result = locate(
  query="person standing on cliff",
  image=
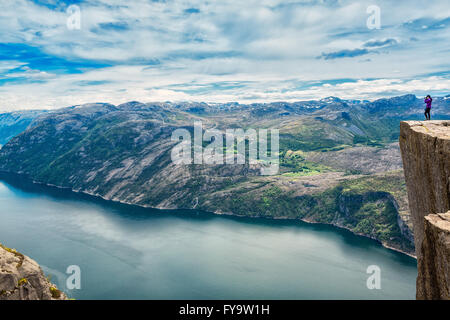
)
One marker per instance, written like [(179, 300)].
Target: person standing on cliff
[(428, 101)]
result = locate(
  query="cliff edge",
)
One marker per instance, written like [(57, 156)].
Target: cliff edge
[(21, 278), (425, 148)]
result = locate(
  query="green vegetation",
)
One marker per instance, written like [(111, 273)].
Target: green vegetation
[(305, 143), (392, 183), (17, 254), (364, 140), (125, 154), (293, 164), (365, 205), (332, 135), (56, 294)]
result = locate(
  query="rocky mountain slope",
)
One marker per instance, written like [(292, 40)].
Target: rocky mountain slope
[(122, 153), (13, 123), (21, 278)]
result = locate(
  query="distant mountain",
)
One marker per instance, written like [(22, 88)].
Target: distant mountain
[(339, 159), (13, 123), (401, 107)]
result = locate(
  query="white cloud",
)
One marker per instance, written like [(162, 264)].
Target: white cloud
[(264, 45)]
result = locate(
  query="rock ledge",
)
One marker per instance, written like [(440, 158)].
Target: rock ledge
[(21, 278)]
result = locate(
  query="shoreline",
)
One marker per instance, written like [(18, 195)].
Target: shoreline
[(217, 212), (385, 245)]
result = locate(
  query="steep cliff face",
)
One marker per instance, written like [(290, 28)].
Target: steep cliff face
[(425, 148), (436, 257), (21, 278)]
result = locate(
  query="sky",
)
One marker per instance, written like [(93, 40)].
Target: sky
[(60, 53)]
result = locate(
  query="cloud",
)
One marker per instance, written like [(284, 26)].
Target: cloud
[(344, 54), (426, 24), (351, 53), (224, 50), (111, 26), (191, 10), (380, 43)]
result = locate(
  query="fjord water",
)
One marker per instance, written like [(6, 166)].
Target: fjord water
[(126, 252)]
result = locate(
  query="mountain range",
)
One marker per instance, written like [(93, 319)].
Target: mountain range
[(339, 159)]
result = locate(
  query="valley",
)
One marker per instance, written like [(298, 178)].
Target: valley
[(339, 160)]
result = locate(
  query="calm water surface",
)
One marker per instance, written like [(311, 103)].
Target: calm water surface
[(126, 252)]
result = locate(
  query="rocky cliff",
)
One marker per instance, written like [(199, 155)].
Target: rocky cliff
[(436, 257), (21, 278), (425, 148)]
